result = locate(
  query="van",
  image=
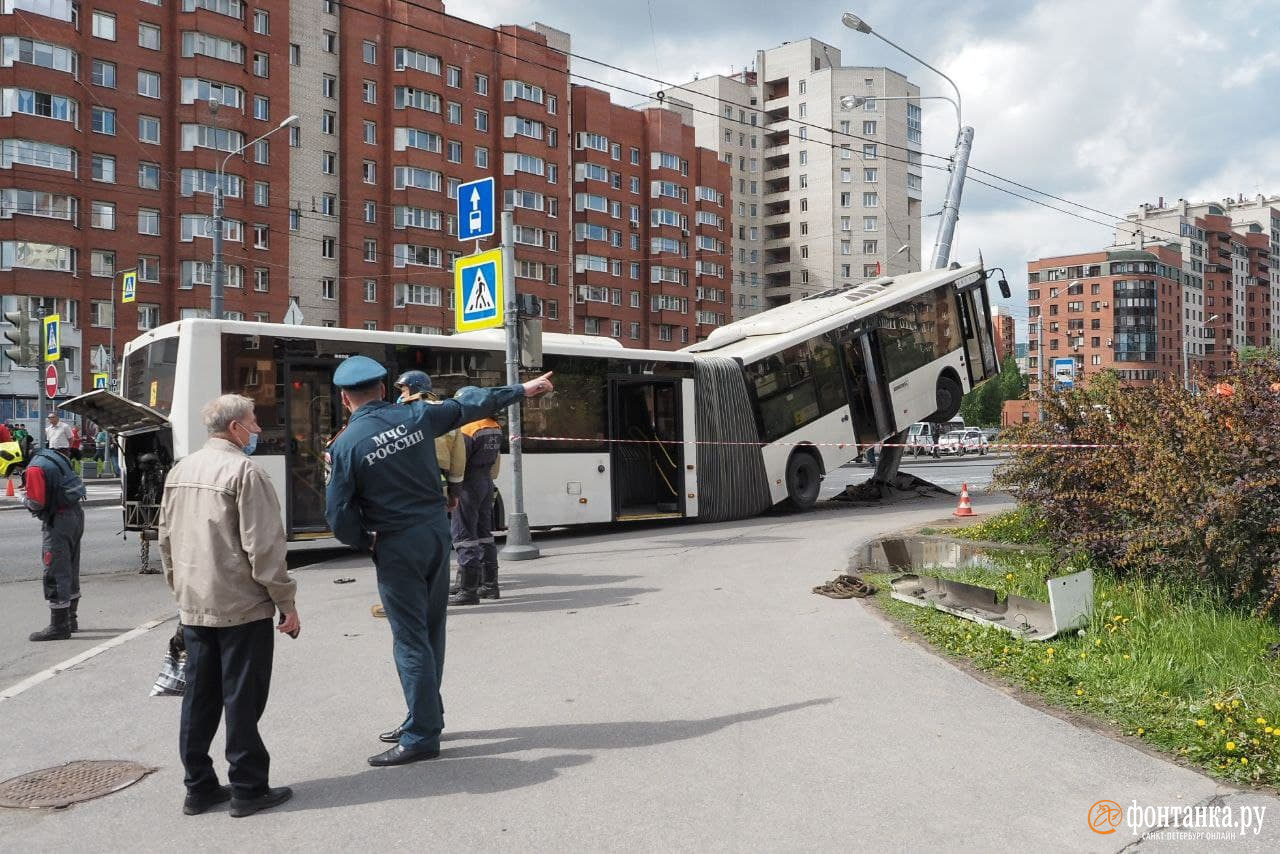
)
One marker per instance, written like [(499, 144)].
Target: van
[(923, 436)]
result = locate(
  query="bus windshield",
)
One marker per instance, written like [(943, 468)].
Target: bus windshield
[(149, 374)]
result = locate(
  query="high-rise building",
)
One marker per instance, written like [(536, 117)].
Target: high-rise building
[(1003, 326), (825, 168), (115, 130), (651, 224), (1231, 254)]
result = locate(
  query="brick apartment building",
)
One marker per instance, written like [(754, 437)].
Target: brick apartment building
[(114, 125), (1119, 309), (1004, 328), (651, 225)]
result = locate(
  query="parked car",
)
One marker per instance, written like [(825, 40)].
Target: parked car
[(961, 442)]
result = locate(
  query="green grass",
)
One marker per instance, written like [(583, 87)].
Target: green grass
[(1177, 668)]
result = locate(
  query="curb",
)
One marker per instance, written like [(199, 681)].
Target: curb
[(92, 502)]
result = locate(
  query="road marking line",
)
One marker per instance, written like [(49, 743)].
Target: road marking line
[(46, 675)]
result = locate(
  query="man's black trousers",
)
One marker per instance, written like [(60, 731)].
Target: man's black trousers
[(228, 669)]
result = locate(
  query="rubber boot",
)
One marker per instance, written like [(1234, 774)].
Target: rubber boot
[(71, 616), (59, 627), (468, 591), (489, 582)]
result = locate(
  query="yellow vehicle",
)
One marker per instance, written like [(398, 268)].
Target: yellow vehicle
[(12, 463)]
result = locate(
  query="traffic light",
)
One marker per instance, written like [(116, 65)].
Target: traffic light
[(18, 336), (529, 305)]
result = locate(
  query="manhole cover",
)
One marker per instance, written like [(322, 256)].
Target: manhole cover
[(68, 784)]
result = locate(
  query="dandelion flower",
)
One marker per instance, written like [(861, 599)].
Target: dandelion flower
[(1235, 704), (1231, 745), (1141, 731), (1254, 742), (1009, 576), (1200, 722), (1244, 760), (1079, 692), (1049, 651), (1097, 641), (1262, 721), (1269, 730), (1230, 719), (1218, 706), (1126, 655), (1084, 655)]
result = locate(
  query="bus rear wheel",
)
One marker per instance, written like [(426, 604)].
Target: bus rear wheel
[(804, 479)]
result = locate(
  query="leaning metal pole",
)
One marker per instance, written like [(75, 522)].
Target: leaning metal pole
[(519, 544), (890, 458)]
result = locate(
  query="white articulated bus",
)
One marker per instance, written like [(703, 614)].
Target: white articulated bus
[(749, 418)]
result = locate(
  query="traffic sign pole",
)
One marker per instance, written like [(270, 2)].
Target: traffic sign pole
[(39, 429), (519, 545)]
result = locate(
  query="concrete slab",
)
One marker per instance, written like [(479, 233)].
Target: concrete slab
[(675, 688)]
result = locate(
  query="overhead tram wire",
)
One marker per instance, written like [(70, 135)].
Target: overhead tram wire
[(797, 122)]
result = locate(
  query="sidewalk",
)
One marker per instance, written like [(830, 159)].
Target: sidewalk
[(673, 688)]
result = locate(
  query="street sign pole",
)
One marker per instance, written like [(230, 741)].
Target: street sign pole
[(519, 545), (39, 428)]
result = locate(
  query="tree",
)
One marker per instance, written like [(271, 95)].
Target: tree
[(983, 405)]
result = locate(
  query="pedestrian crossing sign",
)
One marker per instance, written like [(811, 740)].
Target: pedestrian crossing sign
[(51, 326), (478, 298)]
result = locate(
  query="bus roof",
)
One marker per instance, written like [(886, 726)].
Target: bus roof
[(776, 328), (490, 339)]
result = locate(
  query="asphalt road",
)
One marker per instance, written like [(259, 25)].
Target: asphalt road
[(946, 472), (102, 550)]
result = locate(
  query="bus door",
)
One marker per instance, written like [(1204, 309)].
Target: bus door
[(646, 428), (313, 414), (868, 396), (979, 345)]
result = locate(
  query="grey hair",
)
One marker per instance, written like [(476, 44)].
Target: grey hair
[(221, 411)]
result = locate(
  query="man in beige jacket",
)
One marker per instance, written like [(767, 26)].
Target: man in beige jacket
[(222, 544)]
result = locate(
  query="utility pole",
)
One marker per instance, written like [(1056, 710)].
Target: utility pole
[(519, 544), (951, 205), (40, 368)]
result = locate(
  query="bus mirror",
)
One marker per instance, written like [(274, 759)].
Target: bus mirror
[(1004, 288)]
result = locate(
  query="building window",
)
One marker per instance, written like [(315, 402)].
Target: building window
[(482, 84), (371, 250), (261, 279), (262, 151), (370, 290), (369, 91), (870, 247), (261, 65), (329, 42), (870, 200), (328, 247), (261, 108), (455, 113), (369, 172), (261, 194), (329, 86), (455, 151), (482, 157), (482, 120), (370, 53), (328, 288), (148, 84), (371, 133), (104, 121), (148, 221), (370, 211), (103, 74), (452, 76), (102, 263), (328, 122), (102, 215), (148, 316), (328, 163), (149, 129), (104, 169), (104, 26), (148, 268), (260, 237), (149, 176), (295, 54), (261, 22), (149, 36)]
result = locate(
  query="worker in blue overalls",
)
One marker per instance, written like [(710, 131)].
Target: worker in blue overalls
[(384, 495)]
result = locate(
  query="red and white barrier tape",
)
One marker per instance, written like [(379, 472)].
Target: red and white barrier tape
[(995, 446)]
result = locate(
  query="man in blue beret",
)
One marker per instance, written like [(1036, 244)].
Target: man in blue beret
[(384, 495)]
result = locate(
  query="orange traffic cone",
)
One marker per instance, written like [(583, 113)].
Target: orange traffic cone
[(9, 493), (965, 508)]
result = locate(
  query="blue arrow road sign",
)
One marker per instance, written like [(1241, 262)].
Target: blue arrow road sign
[(476, 209), (478, 292)]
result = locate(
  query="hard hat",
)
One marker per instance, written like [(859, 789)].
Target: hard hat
[(414, 382)]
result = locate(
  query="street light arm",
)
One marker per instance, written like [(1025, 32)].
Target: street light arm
[(289, 122), (928, 66), (855, 101)]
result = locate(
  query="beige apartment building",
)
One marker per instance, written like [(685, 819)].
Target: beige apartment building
[(823, 195)]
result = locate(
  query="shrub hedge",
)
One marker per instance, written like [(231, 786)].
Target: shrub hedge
[(1185, 487)]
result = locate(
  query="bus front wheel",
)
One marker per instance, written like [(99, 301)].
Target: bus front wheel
[(804, 479), (948, 395)]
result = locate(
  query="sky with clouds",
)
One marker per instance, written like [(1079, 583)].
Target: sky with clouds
[(1109, 103)]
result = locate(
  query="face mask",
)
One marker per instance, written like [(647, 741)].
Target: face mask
[(252, 444)]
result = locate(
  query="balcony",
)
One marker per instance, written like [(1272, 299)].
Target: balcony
[(778, 231), (782, 150), (777, 268), (780, 173), (776, 219)]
